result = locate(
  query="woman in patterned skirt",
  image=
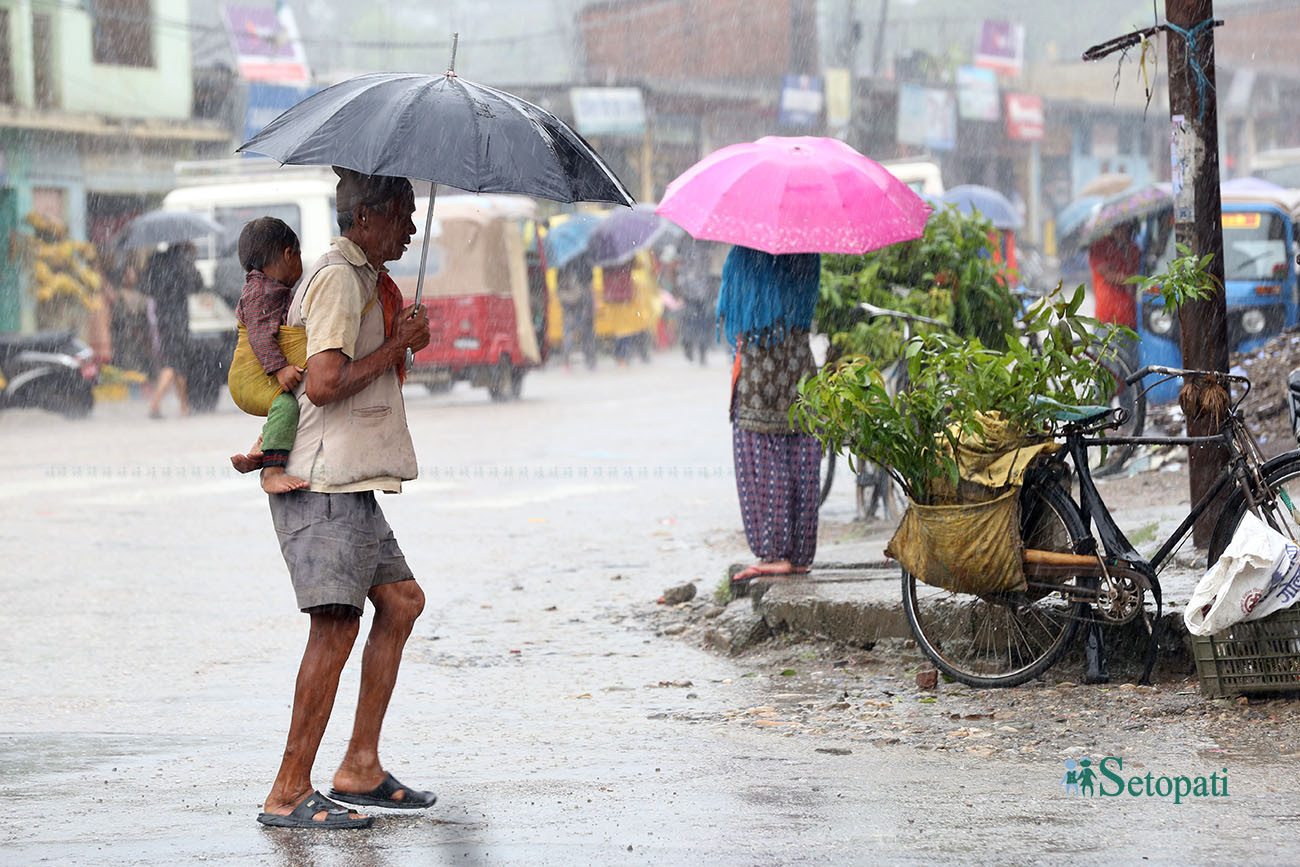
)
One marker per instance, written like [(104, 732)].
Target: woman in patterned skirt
[(766, 307)]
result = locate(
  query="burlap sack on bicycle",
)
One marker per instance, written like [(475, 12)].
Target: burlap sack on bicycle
[(965, 548)]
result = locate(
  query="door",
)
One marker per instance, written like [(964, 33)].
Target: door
[(10, 246)]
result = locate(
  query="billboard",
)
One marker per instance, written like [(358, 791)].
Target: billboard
[(267, 46)]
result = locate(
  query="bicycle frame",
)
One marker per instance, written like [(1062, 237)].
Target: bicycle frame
[(1118, 557)]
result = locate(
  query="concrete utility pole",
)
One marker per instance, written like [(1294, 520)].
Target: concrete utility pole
[(1198, 221)]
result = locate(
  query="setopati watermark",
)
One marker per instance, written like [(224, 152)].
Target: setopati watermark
[(1106, 779)]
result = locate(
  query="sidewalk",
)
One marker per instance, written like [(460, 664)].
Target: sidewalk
[(862, 604)]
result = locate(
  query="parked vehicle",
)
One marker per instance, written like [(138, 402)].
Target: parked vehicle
[(52, 370), (232, 192), (488, 329), (1260, 283)]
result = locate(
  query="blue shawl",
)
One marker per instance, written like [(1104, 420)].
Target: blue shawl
[(763, 296)]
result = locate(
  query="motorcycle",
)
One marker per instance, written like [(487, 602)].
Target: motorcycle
[(52, 370)]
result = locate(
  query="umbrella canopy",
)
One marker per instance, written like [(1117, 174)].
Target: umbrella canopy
[(1106, 184), (1130, 206), (167, 227), (971, 198), (1077, 214), (444, 129), (794, 195), (624, 233), (568, 240)]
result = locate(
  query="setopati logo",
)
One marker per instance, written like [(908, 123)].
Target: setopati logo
[(1106, 779)]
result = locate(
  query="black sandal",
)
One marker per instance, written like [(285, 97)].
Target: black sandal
[(303, 816)]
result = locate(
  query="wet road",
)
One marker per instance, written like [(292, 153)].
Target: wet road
[(148, 645)]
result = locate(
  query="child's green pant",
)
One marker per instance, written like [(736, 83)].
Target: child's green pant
[(278, 432)]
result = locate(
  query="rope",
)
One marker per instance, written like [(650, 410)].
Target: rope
[(1199, 74)]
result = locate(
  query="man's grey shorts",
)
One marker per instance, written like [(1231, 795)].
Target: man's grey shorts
[(337, 547)]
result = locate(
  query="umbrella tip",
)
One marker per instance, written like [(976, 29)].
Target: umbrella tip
[(451, 65)]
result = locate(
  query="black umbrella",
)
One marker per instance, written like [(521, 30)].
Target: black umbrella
[(443, 129), (167, 227)]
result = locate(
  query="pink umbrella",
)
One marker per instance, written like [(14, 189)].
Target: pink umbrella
[(794, 195)]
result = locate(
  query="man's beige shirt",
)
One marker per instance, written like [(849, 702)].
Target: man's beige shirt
[(332, 305)]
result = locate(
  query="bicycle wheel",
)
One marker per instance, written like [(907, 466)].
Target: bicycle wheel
[(1132, 399), (878, 495), (1284, 481), (1005, 639)]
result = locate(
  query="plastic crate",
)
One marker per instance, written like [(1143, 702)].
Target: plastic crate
[(1255, 656)]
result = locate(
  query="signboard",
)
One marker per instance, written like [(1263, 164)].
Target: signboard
[(839, 97), (977, 93), (1242, 220), (801, 100), (608, 110), (266, 102), (927, 117), (266, 43), (1001, 47), (1025, 118)]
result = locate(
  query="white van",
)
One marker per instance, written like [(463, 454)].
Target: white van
[(923, 176), (232, 192)]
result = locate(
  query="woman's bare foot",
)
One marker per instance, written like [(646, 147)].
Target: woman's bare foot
[(276, 481), (767, 567)]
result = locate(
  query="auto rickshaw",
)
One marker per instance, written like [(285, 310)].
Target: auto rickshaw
[(1260, 282), (637, 318), (487, 329)]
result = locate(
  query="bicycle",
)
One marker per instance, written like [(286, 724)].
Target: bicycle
[(1075, 578), (878, 495)]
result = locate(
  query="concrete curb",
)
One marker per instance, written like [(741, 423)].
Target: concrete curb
[(865, 607)]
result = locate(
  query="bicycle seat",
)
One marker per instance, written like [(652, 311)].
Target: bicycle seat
[(1079, 414)]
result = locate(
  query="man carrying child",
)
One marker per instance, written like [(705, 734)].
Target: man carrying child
[(351, 441)]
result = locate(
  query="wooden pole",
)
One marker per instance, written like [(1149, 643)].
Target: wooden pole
[(1198, 221)]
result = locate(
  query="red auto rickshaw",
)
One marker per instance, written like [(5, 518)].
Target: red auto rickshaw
[(487, 329)]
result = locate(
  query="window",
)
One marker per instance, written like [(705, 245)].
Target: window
[(6, 71), (43, 62), (122, 32)]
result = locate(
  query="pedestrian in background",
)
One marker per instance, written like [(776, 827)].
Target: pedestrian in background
[(169, 278), (766, 306), (697, 289), (578, 306)]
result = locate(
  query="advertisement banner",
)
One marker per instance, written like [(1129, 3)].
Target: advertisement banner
[(927, 116), (977, 93), (1025, 118), (1001, 47)]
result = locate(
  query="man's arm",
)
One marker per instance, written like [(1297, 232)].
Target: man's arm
[(332, 376)]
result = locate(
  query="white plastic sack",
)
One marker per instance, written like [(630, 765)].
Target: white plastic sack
[(1259, 573)]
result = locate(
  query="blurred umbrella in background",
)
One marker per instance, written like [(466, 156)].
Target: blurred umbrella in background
[(167, 227), (568, 240), (1127, 207), (971, 198), (624, 233)]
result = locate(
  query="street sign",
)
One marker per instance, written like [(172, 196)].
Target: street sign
[(801, 100), (608, 110)]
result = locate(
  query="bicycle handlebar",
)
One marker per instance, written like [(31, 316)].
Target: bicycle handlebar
[(1159, 370), (873, 310)]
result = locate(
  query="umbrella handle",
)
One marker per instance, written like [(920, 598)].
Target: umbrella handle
[(424, 258)]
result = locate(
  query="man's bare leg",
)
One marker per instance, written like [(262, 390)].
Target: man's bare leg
[(396, 608), (328, 646)]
